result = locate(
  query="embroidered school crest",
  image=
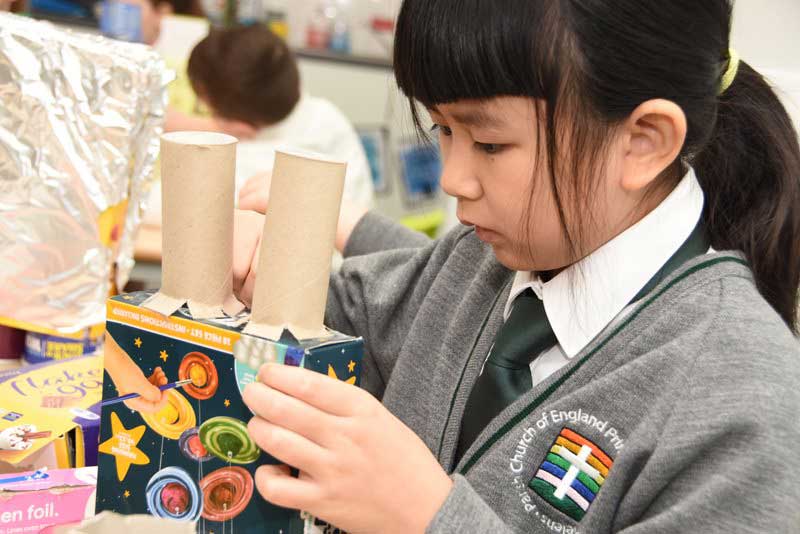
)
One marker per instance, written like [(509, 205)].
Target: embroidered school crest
[(571, 474)]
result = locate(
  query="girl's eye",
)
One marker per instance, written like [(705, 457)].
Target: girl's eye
[(444, 130), (489, 148)]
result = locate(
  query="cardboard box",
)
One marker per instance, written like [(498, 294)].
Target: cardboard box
[(194, 460), (32, 501), (50, 414)]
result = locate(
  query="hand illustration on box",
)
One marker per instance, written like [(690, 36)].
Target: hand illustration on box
[(129, 378)]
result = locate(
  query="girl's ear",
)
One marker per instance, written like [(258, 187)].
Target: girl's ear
[(652, 138)]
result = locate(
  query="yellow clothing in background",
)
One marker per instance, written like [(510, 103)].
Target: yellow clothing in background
[(181, 95)]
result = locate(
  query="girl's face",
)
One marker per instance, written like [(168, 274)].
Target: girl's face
[(490, 150)]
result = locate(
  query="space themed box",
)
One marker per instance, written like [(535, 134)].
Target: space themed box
[(50, 414), (194, 460)]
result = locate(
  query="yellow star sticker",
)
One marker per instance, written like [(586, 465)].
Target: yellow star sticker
[(127, 494), (138, 342), (122, 446), (351, 366), (332, 374), (227, 403), (164, 355), (127, 297)]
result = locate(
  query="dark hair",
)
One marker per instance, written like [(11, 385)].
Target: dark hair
[(182, 7), (592, 63), (246, 73)]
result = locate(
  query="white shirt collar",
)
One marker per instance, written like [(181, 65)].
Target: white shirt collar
[(583, 299)]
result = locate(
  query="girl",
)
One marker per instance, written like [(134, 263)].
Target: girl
[(606, 345)]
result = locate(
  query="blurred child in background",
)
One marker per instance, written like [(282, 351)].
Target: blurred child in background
[(249, 75)]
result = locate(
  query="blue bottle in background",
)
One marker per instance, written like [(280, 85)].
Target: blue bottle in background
[(120, 20), (340, 34)]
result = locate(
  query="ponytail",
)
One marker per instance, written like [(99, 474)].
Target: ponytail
[(750, 174)]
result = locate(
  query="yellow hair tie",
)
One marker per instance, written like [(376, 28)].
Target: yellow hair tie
[(731, 72)]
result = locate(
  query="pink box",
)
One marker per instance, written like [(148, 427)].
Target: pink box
[(33, 501)]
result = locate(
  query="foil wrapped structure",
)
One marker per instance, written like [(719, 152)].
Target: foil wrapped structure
[(80, 120)]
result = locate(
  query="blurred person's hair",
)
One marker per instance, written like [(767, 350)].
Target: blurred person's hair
[(246, 73), (180, 7)]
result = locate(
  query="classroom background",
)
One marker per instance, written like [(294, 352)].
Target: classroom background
[(344, 55)]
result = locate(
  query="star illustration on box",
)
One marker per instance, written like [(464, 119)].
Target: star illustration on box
[(174, 435), (122, 445)]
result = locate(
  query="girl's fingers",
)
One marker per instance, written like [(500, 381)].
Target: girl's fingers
[(252, 184), (288, 412), (276, 485), (287, 446), (247, 227), (245, 293), (245, 199), (252, 202), (320, 391), (250, 189)]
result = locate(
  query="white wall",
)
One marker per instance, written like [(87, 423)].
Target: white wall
[(766, 33)]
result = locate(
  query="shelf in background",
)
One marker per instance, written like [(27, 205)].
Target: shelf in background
[(347, 59)]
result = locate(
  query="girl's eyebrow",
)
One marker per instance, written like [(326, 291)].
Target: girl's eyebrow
[(477, 118)]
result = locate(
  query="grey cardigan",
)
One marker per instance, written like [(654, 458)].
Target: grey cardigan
[(683, 418)]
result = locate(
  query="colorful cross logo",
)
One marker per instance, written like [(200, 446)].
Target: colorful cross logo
[(572, 474)]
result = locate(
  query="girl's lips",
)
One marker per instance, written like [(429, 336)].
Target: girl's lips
[(488, 236)]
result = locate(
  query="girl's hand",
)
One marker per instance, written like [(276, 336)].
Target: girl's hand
[(254, 195), (361, 469), (247, 229)]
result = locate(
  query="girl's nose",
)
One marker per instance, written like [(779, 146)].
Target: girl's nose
[(459, 178)]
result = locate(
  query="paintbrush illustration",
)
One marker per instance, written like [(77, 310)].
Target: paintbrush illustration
[(129, 396)]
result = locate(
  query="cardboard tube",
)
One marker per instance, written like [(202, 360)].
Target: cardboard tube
[(294, 266), (197, 187)]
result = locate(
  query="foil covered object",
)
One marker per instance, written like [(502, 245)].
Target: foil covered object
[(80, 120)]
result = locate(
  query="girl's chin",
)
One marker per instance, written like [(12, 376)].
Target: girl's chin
[(511, 258)]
